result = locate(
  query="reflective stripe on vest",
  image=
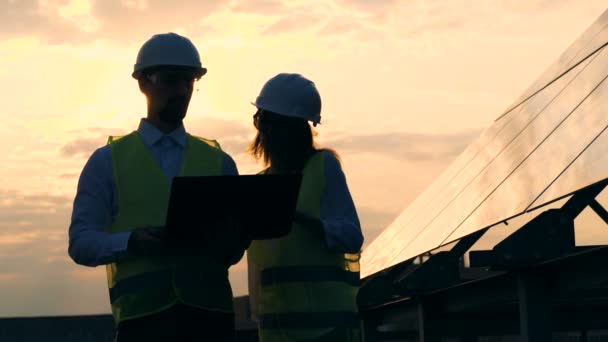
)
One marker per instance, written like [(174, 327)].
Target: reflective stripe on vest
[(303, 290), (304, 320), (140, 286), (160, 280), (287, 274)]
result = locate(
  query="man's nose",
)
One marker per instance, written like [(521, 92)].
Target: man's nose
[(183, 88)]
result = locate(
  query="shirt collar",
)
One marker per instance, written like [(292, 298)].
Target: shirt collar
[(151, 135)]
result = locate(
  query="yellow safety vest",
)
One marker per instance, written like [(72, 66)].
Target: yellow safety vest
[(141, 286), (305, 290)]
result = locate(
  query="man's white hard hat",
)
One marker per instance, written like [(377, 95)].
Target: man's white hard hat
[(168, 49)]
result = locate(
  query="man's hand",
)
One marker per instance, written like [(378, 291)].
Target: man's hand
[(148, 241)]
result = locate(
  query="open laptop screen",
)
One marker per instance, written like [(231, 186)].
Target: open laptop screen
[(263, 204)]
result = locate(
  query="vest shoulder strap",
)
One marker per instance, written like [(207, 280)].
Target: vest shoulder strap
[(114, 138), (210, 142)]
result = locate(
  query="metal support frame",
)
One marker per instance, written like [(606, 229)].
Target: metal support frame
[(599, 210), (534, 308), (548, 235), (428, 331), (409, 298), (582, 199), (439, 271), (495, 305)]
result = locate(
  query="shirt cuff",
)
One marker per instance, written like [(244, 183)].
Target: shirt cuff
[(119, 243), (340, 236)]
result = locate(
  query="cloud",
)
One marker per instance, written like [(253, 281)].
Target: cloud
[(368, 5), (339, 27), (533, 5), (69, 175), (26, 17), (259, 6), (32, 214), (105, 131), (84, 146), (407, 146), (17, 238), (119, 20), (138, 20), (133, 21), (299, 20), (437, 24), (233, 136), (34, 248), (81, 147), (374, 221)]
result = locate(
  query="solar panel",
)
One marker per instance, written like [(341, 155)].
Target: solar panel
[(589, 168), (386, 249), (547, 162), (474, 160), (500, 181), (592, 39), (511, 163), (458, 175)]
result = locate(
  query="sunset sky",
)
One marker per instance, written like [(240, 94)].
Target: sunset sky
[(406, 86)]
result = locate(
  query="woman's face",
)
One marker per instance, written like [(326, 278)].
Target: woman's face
[(281, 138), (274, 130), (264, 121)]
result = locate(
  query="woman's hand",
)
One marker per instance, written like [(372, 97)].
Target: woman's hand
[(229, 242), (309, 222)]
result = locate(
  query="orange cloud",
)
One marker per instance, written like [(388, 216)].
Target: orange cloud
[(18, 238)]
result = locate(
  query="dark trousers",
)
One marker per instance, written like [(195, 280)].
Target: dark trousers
[(178, 323)]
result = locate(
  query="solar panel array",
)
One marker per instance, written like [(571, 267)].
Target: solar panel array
[(550, 143)]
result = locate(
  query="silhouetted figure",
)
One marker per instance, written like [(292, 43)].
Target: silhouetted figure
[(157, 292), (303, 286)]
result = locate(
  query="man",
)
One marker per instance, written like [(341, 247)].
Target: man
[(156, 293)]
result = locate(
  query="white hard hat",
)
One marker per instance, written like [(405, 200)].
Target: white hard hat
[(291, 95), (168, 49)]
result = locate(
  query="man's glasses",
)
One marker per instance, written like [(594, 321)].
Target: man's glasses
[(173, 78)]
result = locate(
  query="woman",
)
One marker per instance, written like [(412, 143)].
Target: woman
[(303, 286)]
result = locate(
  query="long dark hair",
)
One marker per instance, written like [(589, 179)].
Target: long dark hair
[(283, 142)]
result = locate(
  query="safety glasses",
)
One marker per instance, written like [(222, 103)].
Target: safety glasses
[(173, 78)]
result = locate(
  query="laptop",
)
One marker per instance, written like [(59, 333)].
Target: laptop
[(264, 205)]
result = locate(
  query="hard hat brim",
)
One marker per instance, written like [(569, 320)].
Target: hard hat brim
[(200, 71), (314, 122)]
